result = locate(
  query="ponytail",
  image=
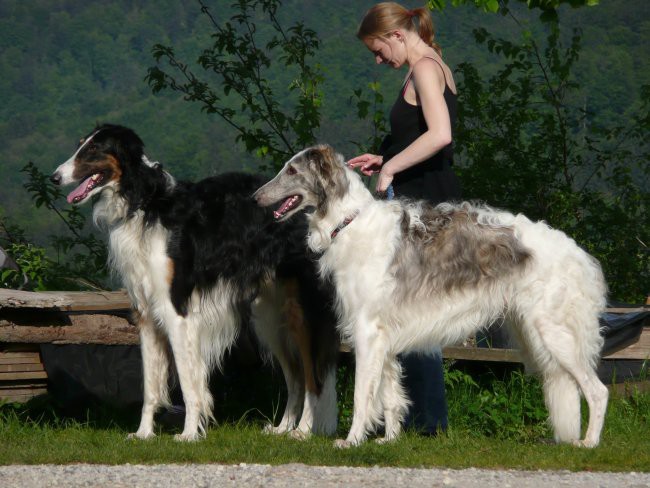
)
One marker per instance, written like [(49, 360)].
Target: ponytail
[(425, 27)]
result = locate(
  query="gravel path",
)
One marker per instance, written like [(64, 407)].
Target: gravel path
[(292, 475)]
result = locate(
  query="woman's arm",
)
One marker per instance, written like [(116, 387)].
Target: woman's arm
[(429, 84)]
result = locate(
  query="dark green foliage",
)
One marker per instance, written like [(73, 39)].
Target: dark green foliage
[(548, 7), (526, 143), (78, 71), (507, 405), (375, 111), (241, 58), (80, 257)]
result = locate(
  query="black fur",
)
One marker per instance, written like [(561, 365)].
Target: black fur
[(218, 232)]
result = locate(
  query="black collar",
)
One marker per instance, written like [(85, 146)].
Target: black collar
[(343, 224)]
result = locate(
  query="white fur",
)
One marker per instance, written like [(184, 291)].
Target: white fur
[(552, 306), (65, 170)]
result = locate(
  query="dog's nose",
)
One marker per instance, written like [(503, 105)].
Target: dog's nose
[(55, 178)]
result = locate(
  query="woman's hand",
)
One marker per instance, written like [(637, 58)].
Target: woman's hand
[(369, 163), (385, 179)]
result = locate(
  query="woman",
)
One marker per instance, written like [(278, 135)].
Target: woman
[(416, 158)]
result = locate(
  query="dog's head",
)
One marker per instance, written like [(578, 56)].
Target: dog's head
[(309, 179), (100, 161)]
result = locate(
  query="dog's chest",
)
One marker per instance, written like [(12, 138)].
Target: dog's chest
[(139, 256)]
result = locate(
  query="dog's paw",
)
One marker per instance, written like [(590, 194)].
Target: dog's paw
[(272, 430), (187, 437), (343, 444), (585, 443), (140, 435), (384, 440), (299, 435)]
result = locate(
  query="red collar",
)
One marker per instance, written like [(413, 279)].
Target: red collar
[(343, 224)]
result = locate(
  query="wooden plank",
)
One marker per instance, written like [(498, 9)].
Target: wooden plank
[(68, 301), (629, 388), (638, 350), (627, 309), (8, 368), (82, 329), (31, 375), (22, 386), (23, 391), (482, 354), (22, 398), (20, 358)]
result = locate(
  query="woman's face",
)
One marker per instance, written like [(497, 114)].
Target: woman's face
[(387, 50)]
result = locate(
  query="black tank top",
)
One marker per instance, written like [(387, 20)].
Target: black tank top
[(433, 178)]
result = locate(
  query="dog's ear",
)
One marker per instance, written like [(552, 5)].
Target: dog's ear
[(130, 148), (329, 166), (330, 178)]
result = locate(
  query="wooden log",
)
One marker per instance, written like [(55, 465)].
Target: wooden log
[(68, 301), (81, 329), (638, 350), (482, 354), (22, 389), (21, 395), (23, 375), (626, 309), (10, 368), (20, 358), (629, 388)]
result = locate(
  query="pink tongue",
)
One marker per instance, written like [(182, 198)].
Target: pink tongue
[(283, 208), (79, 191)]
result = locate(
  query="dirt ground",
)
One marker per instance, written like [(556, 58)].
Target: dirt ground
[(291, 475)]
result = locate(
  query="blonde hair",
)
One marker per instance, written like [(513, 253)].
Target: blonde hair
[(387, 17)]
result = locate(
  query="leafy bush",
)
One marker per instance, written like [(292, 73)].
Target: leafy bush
[(270, 125), (507, 406), (80, 261), (526, 143)]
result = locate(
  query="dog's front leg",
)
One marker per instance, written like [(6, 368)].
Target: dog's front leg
[(155, 369), (192, 375), (370, 353), (393, 398), (295, 393)]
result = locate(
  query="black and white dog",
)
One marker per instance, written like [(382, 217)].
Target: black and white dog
[(199, 261), (411, 276)]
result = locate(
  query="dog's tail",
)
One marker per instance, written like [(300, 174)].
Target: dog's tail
[(563, 403)]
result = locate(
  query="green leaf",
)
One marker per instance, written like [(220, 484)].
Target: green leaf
[(436, 4), (492, 6)]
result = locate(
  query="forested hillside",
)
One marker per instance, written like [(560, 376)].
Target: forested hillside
[(67, 65)]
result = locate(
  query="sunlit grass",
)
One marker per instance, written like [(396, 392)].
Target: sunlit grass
[(494, 424)]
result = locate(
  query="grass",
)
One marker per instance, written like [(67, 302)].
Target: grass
[(496, 418)]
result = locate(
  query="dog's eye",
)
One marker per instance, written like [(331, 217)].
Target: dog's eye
[(291, 170)]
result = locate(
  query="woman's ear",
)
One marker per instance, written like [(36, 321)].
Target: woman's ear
[(398, 35)]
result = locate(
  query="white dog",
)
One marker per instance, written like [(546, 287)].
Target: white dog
[(410, 276)]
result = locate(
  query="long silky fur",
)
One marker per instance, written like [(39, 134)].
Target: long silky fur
[(200, 261), (411, 276)]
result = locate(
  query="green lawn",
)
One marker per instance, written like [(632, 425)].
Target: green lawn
[(494, 424)]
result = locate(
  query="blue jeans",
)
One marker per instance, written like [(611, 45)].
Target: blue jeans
[(425, 386)]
